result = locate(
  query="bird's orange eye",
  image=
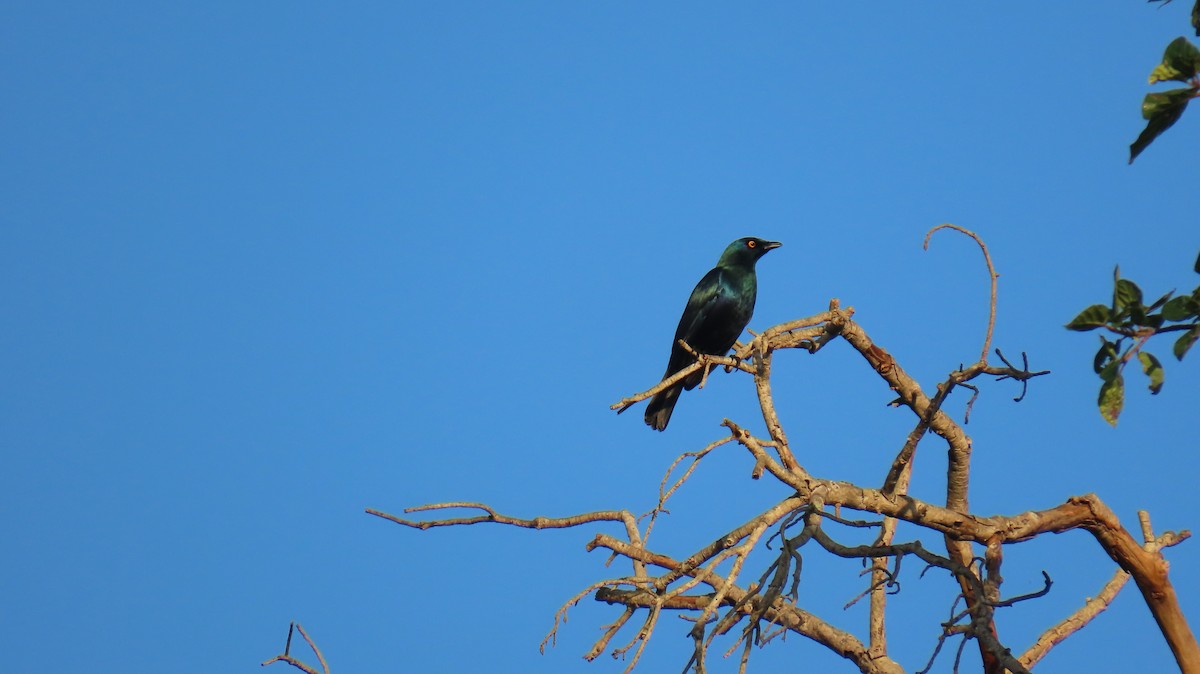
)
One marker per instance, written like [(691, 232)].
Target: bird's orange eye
[(751, 243)]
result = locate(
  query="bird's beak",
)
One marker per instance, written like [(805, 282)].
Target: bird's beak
[(771, 245)]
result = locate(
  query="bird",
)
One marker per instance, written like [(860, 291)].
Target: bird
[(717, 311)]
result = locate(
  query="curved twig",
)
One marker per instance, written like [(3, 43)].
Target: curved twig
[(992, 275)]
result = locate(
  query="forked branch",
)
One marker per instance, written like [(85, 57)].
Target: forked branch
[(286, 656), (707, 585)]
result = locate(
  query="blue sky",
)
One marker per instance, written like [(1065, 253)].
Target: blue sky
[(266, 265)]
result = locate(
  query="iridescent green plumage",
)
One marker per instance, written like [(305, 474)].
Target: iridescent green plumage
[(718, 310)]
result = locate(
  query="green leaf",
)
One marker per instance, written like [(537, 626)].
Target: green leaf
[(1180, 309), (1107, 352), (1153, 370), (1112, 399), (1112, 370), (1154, 321), (1186, 341), (1180, 62), (1197, 267), (1162, 110), (1137, 315), (1127, 296), (1155, 104), (1160, 301), (1091, 318)]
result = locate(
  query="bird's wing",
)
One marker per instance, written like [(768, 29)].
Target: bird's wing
[(703, 298)]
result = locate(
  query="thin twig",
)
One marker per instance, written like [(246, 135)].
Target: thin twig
[(560, 616), (664, 493), (285, 657), (992, 277)]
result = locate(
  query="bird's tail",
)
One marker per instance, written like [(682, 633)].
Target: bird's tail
[(658, 412)]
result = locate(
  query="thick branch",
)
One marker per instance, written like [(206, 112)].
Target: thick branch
[(1149, 571), (1096, 605)]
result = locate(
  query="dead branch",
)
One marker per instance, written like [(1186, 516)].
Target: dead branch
[(792, 617), (1094, 606), (286, 655), (703, 360), (661, 582), (992, 277), (622, 516), (665, 493)]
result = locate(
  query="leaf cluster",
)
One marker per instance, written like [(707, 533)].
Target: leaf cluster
[(1180, 63), (1135, 323)]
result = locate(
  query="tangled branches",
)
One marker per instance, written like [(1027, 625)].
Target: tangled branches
[(719, 592)]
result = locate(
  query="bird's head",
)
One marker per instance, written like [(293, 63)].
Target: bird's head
[(746, 251)]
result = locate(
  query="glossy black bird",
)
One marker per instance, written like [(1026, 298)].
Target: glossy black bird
[(716, 313)]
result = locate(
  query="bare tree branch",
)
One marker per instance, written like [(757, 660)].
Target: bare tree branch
[(287, 657), (992, 277), (766, 608), (1094, 606)]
